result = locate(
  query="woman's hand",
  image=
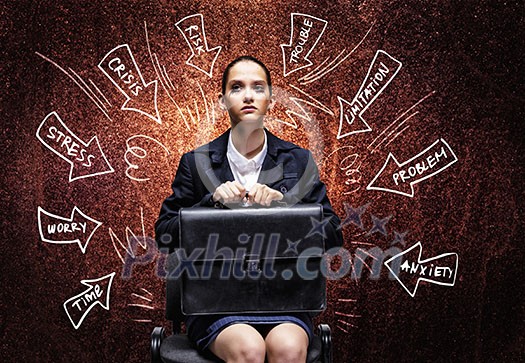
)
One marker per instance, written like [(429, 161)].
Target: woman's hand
[(229, 192), (263, 195)]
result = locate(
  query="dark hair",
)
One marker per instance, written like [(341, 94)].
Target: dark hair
[(241, 59)]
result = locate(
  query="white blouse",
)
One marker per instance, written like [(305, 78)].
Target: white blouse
[(245, 171)]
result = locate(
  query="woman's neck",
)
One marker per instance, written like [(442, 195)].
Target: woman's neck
[(248, 142)]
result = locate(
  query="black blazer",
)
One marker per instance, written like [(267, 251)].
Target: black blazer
[(287, 168)]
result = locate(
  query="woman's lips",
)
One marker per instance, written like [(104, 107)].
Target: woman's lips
[(248, 109)]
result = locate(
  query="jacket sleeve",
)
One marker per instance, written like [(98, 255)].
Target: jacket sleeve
[(310, 189), (183, 196)]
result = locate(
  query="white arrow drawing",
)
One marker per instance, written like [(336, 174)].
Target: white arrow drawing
[(78, 307), (439, 270), (78, 228)]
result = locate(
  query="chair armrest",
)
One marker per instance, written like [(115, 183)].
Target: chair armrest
[(325, 334), (157, 336)]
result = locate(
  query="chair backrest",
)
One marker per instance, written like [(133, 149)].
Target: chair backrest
[(173, 292), (247, 260)]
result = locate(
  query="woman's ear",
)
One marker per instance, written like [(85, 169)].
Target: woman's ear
[(222, 102), (272, 103)]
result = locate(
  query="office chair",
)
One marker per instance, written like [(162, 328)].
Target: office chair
[(194, 224)]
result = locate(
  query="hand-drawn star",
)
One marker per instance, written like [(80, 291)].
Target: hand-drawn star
[(379, 225), (318, 227), (353, 215), (292, 246), (399, 238)]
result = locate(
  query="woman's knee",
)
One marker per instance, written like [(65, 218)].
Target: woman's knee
[(239, 343), (251, 352), (287, 344)]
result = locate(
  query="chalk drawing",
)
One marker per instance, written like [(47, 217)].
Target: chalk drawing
[(120, 67), (400, 178), (82, 85), (142, 302), (395, 126), (86, 159), (78, 228), (138, 152), (132, 240), (97, 293), (202, 57), (381, 72), (169, 87), (439, 270), (158, 71), (101, 94), (302, 113), (350, 164), (306, 31), (320, 71), (342, 323)]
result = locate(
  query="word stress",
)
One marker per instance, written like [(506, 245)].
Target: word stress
[(86, 159)]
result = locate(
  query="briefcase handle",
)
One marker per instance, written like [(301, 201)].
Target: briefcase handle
[(273, 204)]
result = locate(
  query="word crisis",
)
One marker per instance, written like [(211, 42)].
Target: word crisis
[(125, 75)]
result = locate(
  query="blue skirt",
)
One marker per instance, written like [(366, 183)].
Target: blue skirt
[(203, 330)]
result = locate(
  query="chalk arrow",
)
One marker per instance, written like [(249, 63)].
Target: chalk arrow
[(120, 67), (382, 71), (439, 270), (202, 57), (305, 34), (78, 228), (86, 159), (97, 293), (400, 178)]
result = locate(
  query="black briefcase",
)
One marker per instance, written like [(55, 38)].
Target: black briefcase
[(251, 260)]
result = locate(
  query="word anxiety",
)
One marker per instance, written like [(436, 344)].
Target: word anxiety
[(427, 271)]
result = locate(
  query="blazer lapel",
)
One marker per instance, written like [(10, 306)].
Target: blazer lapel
[(271, 172), (219, 169), (223, 171)]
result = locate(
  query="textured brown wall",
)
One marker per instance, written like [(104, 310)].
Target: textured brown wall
[(461, 80)]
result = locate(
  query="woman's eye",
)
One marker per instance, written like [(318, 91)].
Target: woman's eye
[(259, 89), (236, 87)]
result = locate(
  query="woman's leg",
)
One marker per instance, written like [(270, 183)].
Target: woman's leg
[(287, 343), (239, 343)]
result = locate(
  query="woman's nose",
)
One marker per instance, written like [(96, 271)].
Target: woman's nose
[(248, 95)]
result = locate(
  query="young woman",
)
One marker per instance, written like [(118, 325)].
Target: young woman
[(247, 164)]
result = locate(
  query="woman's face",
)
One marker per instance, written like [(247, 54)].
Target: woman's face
[(247, 97)]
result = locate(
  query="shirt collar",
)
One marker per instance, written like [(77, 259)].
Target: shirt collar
[(241, 162)]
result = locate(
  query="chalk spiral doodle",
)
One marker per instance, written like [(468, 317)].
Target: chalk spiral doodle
[(140, 153)]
